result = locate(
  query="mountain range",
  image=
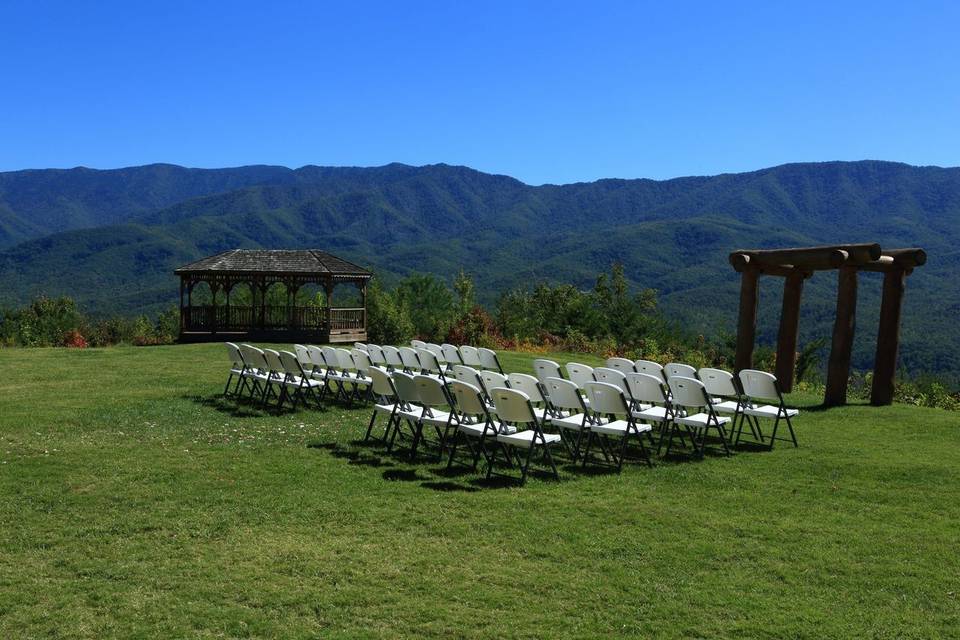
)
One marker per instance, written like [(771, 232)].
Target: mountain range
[(112, 238)]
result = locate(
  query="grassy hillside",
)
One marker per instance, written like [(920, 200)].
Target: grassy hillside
[(672, 235), (138, 504)]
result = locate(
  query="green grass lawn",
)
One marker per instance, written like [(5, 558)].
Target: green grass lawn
[(135, 503)]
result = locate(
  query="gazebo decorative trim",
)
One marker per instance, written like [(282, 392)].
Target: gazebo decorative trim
[(796, 265), (259, 269)]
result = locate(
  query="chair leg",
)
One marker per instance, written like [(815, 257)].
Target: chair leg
[(226, 389), (793, 435)]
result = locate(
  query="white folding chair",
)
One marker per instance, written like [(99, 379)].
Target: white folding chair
[(418, 344), (579, 374), (544, 369), (429, 365), (392, 355), (489, 359), (275, 376), (451, 354), (727, 399), (360, 345), (622, 365), (650, 393), (515, 409), (377, 358), (650, 367), (759, 387), (237, 368), (675, 369), (570, 414), (385, 401), (256, 374), (304, 357), (470, 356), (473, 422), (610, 402), (298, 385), (534, 390), (409, 411), (437, 412), (689, 396), (410, 359)]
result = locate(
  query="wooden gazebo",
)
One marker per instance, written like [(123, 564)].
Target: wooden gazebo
[(257, 319)]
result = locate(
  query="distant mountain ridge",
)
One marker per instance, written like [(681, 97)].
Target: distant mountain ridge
[(112, 238)]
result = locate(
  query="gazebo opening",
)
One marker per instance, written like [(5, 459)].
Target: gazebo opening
[(282, 295)]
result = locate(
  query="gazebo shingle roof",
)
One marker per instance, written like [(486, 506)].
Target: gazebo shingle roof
[(299, 261)]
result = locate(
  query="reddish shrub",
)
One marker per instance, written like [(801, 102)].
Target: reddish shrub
[(75, 340)]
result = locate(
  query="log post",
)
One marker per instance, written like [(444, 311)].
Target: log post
[(789, 328), (888, 337), (838, 369), (747, 322)]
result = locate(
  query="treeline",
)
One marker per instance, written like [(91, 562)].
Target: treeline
[(57, 322)]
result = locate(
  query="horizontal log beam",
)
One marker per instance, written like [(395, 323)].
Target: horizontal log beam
[(827, 257), (741, 262), (907, 258)]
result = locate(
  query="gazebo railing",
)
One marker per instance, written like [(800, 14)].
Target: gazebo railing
[(241, 318)]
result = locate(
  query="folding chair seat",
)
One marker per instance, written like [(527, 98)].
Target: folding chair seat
[(451, 354), (695, 412), (675, 369), (650, 392), (470, 356), (514, 408), (570, 414), (298, 385), (759, 387), (474, 422), (429, 365), (622, 365), (385, 401), (544, 369), (489, 359), (609, 401), (392, 356), (410, 359), (650, 367), (237, 368)]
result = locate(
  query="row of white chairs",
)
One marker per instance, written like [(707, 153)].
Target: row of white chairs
[(421, 354)]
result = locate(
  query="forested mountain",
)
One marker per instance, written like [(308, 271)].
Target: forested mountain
[(671, 235)]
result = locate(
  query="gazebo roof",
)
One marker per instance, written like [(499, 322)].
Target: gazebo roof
[(275, 261)]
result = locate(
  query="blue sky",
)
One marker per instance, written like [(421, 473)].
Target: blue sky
[(546, 92)]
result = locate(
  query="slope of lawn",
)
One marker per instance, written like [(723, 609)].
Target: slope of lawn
[(135, 503)]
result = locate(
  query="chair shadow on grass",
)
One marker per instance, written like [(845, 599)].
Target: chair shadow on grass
[(352, 456), (225, 405)]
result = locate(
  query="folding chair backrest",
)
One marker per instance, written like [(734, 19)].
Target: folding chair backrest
[(528, 384), (361, 360), (489, 360), (406, 388), (674, 369), (470, 356), (564, 395), (291, 364), (302, 354), (432, 392), (544, 369), (331, 357), (492, 380), (381, 383), (651, 367), (621, 364), (647, 388), (376, 355), (436, 350), (688, 392), (428, 361), (579, 374), (345, 358), (451, 354), (233, 352), (463, 373), (360, 345), (512, 406), (392, 356), (469, 398), (612, 376), (316, 357), (418, 344), (718, 382), (409, 358), (606, 399), (273, 361), (255, 357), (760, 385)]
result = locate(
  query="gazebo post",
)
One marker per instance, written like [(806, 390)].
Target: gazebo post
[(838, 368), (328, 293), (888, 337), (183, 323), (747, 322), (789, 328)]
